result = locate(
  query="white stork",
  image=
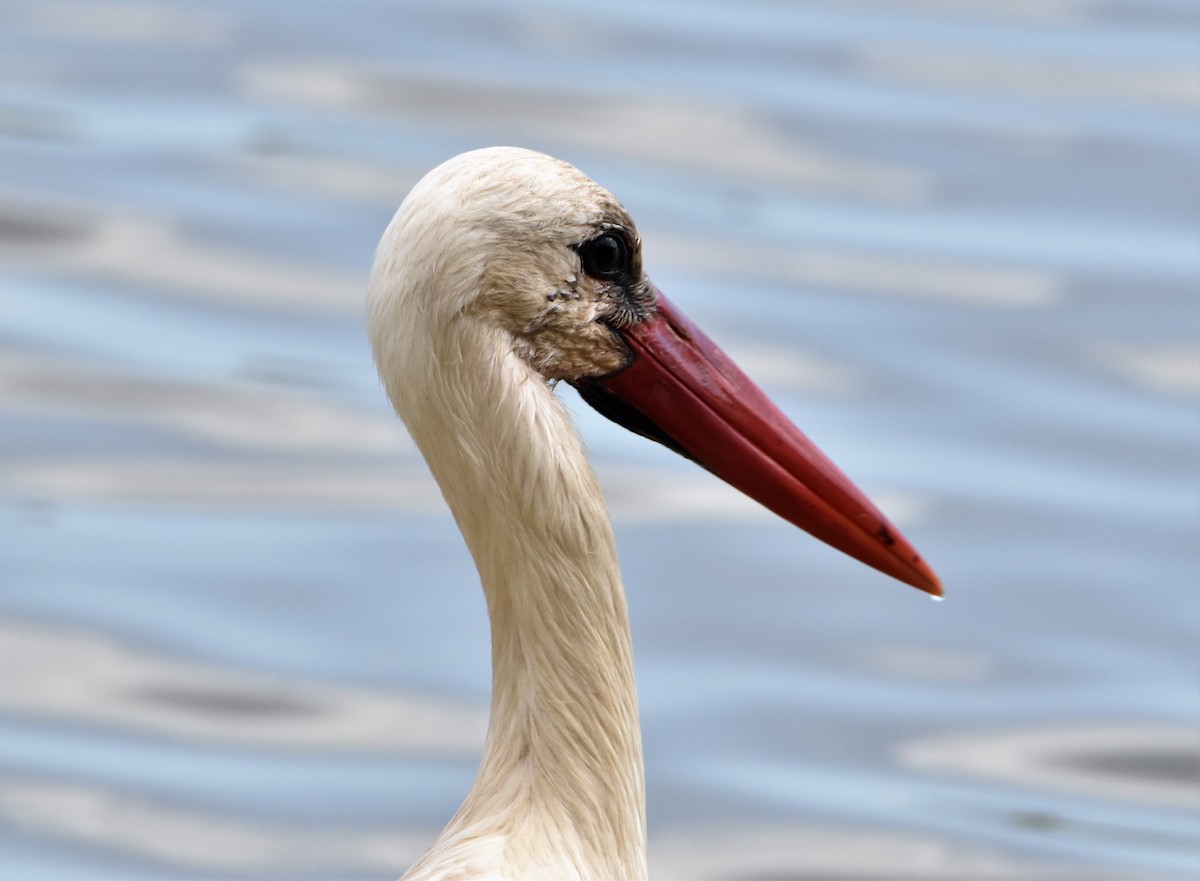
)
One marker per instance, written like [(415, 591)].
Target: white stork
[(503, 272)]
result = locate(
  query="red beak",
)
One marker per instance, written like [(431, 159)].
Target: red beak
[(683, 391)]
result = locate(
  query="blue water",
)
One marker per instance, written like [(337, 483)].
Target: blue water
[(960, 243)]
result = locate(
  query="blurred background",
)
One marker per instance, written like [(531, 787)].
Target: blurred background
[(958, 242)]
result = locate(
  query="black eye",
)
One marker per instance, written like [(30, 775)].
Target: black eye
[(605, 256)]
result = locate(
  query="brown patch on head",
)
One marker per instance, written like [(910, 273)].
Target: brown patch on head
[(525, 258), (569, 339), (553, 313), (572, 334)]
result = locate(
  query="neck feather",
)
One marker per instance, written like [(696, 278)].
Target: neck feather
[(561, 781)]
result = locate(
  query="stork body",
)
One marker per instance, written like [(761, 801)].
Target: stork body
[(503, 272)]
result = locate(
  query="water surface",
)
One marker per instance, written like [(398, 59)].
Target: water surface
[(958, 243)]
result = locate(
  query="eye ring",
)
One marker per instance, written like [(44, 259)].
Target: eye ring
[(605, 257)]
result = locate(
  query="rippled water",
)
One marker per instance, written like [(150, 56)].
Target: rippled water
[(958, 242)]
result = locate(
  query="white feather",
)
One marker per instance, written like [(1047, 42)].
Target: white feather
[(465, 265)]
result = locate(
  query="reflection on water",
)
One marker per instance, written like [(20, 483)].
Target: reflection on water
[(1153, 764), (239, 635), (203, 843), (140, 251), (212, 844), (79, 677)]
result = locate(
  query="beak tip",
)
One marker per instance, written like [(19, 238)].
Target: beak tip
[(924, 579)]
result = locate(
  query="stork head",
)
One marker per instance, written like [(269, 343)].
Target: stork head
[(529, 254), (518, 244)]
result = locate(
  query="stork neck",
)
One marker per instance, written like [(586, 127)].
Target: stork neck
[(563, 759)]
